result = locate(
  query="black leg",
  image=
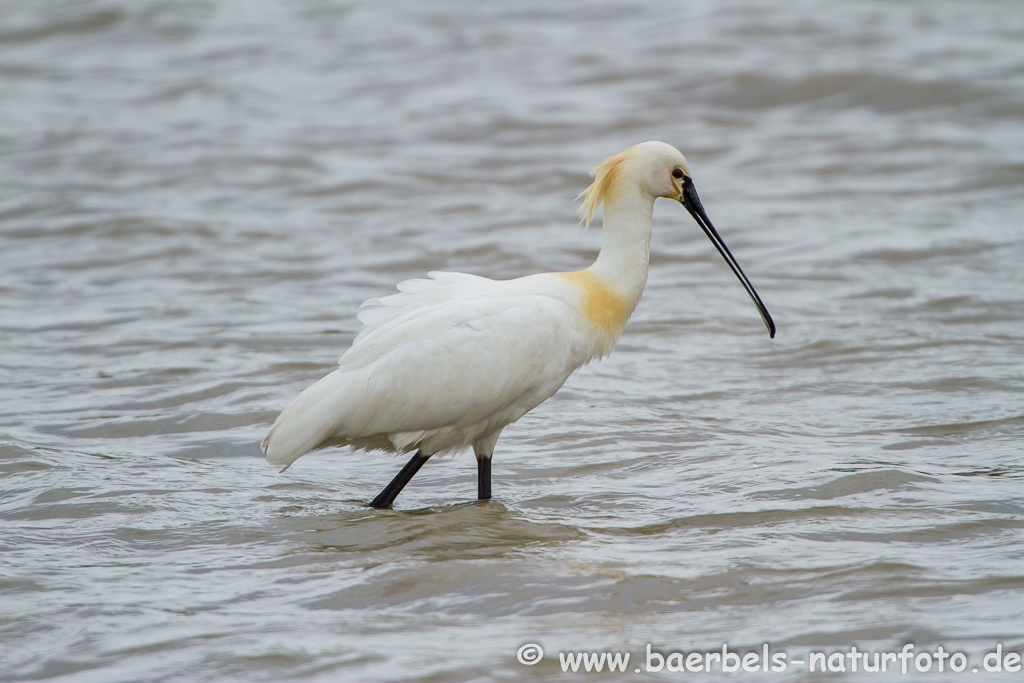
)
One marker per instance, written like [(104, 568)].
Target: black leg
[(483, 478), (386, 497)]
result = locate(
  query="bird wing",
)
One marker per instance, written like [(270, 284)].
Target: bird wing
[(473, 358), (456, 362), (416, 294)]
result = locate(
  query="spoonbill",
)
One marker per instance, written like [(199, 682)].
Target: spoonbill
[(450, 361)]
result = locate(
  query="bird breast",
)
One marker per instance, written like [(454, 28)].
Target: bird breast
[(603, 309)]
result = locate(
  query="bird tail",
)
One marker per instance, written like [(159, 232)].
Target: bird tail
[(307, 422)]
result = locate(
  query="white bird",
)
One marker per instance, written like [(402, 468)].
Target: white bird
[(451, 361)]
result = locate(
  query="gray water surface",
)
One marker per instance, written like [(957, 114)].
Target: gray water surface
[(196, 196)]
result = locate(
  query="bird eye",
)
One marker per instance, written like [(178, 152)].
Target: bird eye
[(677, 173)]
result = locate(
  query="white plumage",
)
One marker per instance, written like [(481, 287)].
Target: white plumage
[(450, 361), (447, 363)]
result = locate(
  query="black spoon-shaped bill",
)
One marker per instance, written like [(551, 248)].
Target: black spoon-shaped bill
[(691, 201)]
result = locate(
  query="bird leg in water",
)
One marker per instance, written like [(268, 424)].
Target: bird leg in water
[(483, 478), (386, 497)]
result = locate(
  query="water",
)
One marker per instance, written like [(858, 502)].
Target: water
[(196, 196)]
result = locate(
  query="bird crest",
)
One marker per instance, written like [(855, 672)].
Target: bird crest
[(604, 177)]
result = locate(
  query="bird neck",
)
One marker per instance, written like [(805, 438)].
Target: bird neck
[(625, 244)]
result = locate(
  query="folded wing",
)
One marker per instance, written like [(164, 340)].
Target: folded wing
[(438, 365)]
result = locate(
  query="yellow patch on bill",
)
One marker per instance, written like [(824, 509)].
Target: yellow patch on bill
[(603, 308)]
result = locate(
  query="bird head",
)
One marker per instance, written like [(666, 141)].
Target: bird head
[(660, 170)]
